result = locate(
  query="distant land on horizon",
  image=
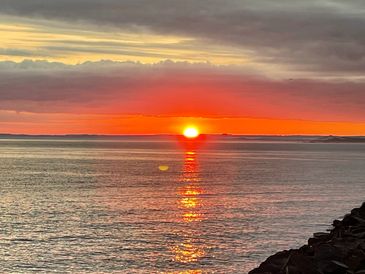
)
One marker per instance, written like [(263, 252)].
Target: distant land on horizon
[(304, 138)]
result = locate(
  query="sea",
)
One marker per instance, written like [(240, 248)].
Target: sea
[(157, 204)]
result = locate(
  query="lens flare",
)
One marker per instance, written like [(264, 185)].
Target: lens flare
[(163, 168)]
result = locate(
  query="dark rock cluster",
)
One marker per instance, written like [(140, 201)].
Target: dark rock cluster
[(340, 251)]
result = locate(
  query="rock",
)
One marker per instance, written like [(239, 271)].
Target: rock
[(341, 251), (362, 211), (334, 267), (303, 263), (321, 235), (355, 259), (326, 252)]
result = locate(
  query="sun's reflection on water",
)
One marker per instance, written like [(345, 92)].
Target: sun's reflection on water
[(188, 252), (190, 193), (191, 205)]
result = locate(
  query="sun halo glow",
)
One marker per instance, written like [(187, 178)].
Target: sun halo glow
[(191, 132)]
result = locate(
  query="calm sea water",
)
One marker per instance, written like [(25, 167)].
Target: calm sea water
[(103, 206)]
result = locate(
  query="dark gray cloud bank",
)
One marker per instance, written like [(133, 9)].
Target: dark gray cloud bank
[(311, 35)]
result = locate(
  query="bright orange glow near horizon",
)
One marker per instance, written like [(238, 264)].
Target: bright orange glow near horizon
[(58, 124)]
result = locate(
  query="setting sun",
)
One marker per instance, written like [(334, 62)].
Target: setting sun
[(191, 132)]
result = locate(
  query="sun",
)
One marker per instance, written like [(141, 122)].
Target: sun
[(191, 132)]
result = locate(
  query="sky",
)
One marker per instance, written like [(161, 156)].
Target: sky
[(155, 66)]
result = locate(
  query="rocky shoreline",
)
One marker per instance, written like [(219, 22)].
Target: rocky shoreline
[(340, 251)]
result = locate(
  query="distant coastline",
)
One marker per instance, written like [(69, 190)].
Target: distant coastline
[(340, 139), (261, 138)]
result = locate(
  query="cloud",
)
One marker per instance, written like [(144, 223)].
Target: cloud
[(173, 89), (313, 35)]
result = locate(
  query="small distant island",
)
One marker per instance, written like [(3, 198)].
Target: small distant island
[(340, 251)]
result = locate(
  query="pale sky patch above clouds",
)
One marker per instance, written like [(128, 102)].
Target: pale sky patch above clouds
[(315, 36)]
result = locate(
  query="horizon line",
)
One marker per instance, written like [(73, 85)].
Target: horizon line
[(170, 134)]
